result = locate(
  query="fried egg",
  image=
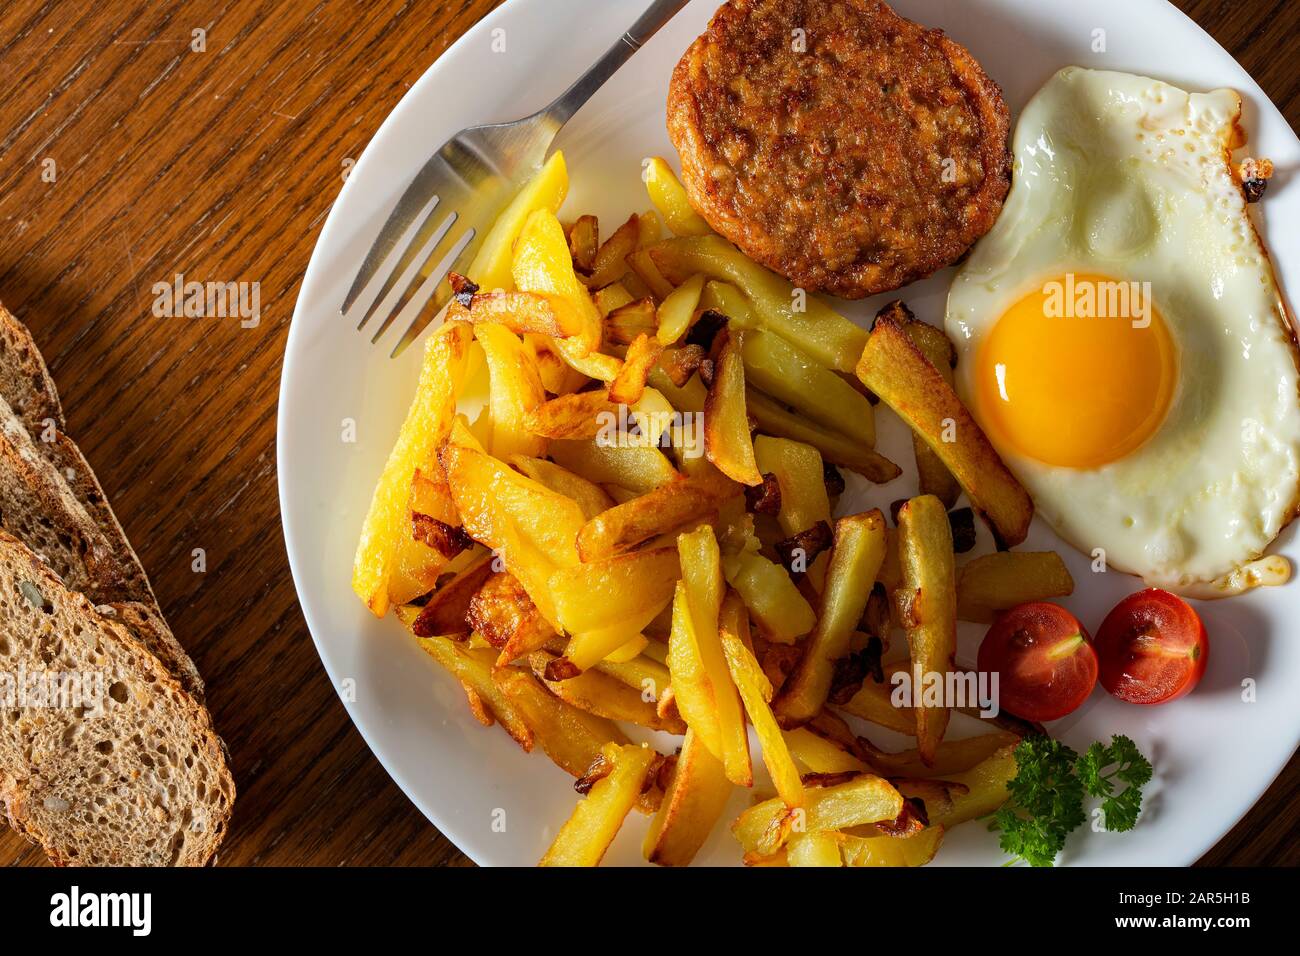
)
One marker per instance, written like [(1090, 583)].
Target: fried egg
[(1123, 340)]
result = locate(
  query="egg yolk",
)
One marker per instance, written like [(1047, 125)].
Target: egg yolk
[(1078, 373)]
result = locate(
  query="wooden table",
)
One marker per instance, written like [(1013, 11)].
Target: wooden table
[(217, 156)]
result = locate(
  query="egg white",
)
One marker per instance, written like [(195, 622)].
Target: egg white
[(1129, 177)]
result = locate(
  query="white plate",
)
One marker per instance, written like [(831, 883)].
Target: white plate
[(1214, 753)]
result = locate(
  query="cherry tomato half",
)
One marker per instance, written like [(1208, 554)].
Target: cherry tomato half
[(1153, 648), (1044, 660)]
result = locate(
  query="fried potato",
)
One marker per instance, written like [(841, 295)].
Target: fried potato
[(951, 757), (669, 197), (727, 443), (997, 582), (933, 475), (628, 386), (515, 390), (636, 468), (388, 522), (855, 561), (697, 794), (646, 675), (782, 613), (985, 788), (503, 614), (866, 798), (472, 667), (798, 470), (580, 415), (447, 611), (777, 368), (872, 703), (611, 299), (819, 848), (647, 270), (596, 820), (928, 607), (726, 299), (817, 329), (610, 264), (916, 849), (773, 418), (677, 311), (819, 754), (756, 694), (702, 684), (897, 371), (618, 594), (605, 696), (584, 240), (572, 738), (659, 511), (520, 312), (591, 498), (491, 267)]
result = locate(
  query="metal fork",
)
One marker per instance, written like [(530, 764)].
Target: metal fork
[(441, 219)]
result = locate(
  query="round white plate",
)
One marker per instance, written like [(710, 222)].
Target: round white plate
[(1215, 751)]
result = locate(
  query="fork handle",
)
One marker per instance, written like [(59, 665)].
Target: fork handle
[(649, 23)]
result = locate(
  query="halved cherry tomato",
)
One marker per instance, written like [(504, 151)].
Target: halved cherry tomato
[(1153, 648), (1044, 660)]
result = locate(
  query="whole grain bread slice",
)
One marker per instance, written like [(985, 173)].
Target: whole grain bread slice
[(25, 382), (131, 774), (147, 626)]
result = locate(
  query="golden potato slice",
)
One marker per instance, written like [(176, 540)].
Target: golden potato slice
[(985, 788), (591, 498), (677, 311), (777, 368), (697, 794), (610, 264), (773, 418), (765, 827), (515, 390), (999, 581), (781, 612), (952, 756), (915, 849), (473, 668), (659, 511), (819, 754), (727, 443), (820, 848), (897, 371), (520, 312), (636, 468), (598, 693), (927, 603), (388, 522), (581, 415), (669, 197), (628, 386), (596, 820), (446, 613), (491, 267)]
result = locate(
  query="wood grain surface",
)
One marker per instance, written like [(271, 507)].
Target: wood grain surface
[(128, 156)]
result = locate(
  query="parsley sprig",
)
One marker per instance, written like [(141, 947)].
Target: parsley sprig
[(1046, 795)]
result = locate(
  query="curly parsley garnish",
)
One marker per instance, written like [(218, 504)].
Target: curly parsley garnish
[(1046, 795)]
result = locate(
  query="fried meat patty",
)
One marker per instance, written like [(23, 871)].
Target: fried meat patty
[(837, 143)]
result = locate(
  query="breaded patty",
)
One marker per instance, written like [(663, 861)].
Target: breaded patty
[(838, 144)]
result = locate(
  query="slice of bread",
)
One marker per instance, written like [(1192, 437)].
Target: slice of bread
[(132, 776), (147, 626), (25, 382)]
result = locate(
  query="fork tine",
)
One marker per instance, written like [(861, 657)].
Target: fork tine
[(441, 292), (382, 253), (424, 283), (432, 230), (401, 284)]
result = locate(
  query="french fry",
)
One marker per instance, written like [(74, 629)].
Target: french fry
[(669, 197), (491, 267), (636, 468), (798, 470), (572, 738), (985, 788), (854, 563), (646, 675), (472, 667), (819, 848), (773, 418), (677, 310), (610, 264), (629, 385), (872, 703), (897, 371), (951, 757), (605, 696), (866, 798), (777, 368), (610, 300), (928, 607), (697, 794), (591, 498), (584, 240), (702, 685), (659, 511), (933, 475), (756, 694), (520, 312), (596, 820), (647, 270), (727, 443), (997, 582), (726, 299), (503, 614), (782, 613), (824, 334), (915, 849), (388, 522), (572, 417), (515, 391), (446, 612), (821, 755), (632, 319)]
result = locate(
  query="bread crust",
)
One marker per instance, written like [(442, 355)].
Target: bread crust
[(870, 159)]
